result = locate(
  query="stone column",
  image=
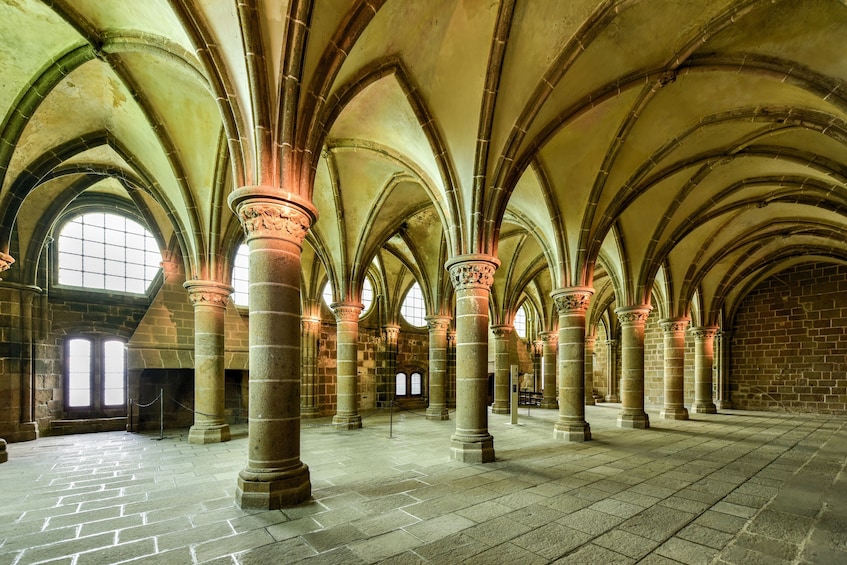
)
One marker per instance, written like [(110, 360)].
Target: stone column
[(472, 277), (275, 224), (704, 353), (722, 343), (632, 320), (209, 299), (501, 369), (550, 392), (310, 332), (612, 371), (537, 349), (590, 340), (572, 303), (451, 368), (674, 358), (347, 372), (390, 338), (438, 326)]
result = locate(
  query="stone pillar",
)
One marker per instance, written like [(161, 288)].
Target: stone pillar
[(209, 299), (4, 456), (347, 372), (390, 338), (572, 303), (537, 349), (674, 358), (632, 322), (472, 277), (550, 392), (275, 224), (704, 353), (612, 371), (438, 326), (590, 340), (451, 369), (310, 332), (722, 353), (501, 369)]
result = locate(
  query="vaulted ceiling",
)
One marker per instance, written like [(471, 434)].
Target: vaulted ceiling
[(678, 149)]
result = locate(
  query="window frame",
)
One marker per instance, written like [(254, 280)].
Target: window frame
[(96, 378), (423, 302)]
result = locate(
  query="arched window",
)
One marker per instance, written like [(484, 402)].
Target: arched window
[(520, 322), (102, 251), (408, 385), (367, 295), (95, 374), (400, 388), (415, 384), (240, 271), (413, 308)]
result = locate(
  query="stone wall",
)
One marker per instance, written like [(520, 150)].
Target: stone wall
[(789, 343)]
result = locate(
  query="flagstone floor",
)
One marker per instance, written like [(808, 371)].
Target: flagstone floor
[(735, 487)]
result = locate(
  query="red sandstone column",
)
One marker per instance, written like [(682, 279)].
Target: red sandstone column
[(347, 373), (704, 355), (209, 299), (674, 358), (472, 277), (572, 303), (501, 369), (438, 326), (550, 392), (612, 371), (590, 340), (632, 320), (310, 332), (275, 224)]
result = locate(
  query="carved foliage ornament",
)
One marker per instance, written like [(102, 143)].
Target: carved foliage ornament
[(208, 295), (477, 274), (572, 302), (438, 323), (633, 317), (346, 312), (673, 326), (262, 219), (501, 332), (703, 333)]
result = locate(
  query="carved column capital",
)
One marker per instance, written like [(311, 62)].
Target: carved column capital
[(5, 261), (346, 311), (574, 300), (472, 271), (438, 323), (674, 325), (502, 332), (310, 325), (269, 213), (704, 333), (633, 315), (590, 340), (550, 338), (208, 293), (391, 333), (451, 337)]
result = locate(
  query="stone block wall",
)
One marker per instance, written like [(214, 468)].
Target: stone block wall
[(789, 343)]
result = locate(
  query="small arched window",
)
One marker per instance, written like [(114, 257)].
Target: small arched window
[(102, 251), (413, 308), (520, 322), (240, 278), (400, 388)]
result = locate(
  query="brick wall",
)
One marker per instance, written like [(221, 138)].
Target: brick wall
[(789, 343)]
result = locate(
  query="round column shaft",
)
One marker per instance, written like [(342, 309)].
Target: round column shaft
[(438, 326), (310, 332), (632, 322), (589, 370), (572, 303), (472, 277), (612, 371), (674, 359), (347, 374), (704, 356), (275, 227), (209, 299), (723, 340), (501, 369), (550, 392)]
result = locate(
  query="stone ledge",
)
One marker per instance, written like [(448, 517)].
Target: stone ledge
[(86, 425)]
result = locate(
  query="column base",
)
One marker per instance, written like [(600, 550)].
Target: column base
[(589, 401), (674, 413), (612, 398), (634, 421), (310, 412), (723, 405), (347, 422), (500, 407), (472, 449), (572, 431), (4, 455), (437, 413), (272, 490), (704, 408), (549, 403), (208, 434)]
